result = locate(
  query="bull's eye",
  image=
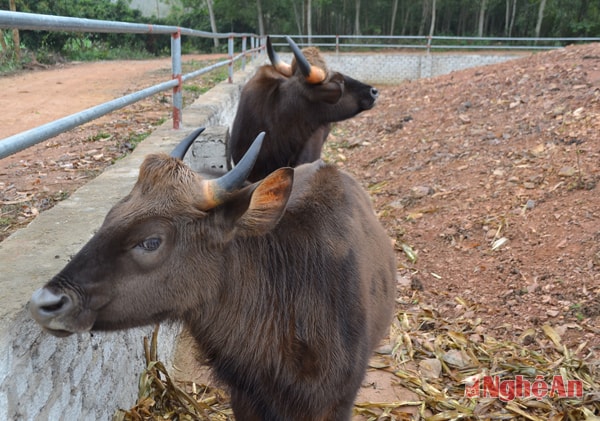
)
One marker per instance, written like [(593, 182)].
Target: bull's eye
[(149, 244)]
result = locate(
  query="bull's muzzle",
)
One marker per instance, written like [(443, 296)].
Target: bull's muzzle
[(49, 309), (374, 93)]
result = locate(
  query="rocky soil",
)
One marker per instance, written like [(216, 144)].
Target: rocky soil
[(488, 181)]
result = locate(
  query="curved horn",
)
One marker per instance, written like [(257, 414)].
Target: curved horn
[(217, 190), (280, 65), (184, 145), (313, 74)]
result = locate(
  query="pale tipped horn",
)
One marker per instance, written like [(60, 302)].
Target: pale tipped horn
[(280, 65), (312, 74), (217, 190), (184, 145)]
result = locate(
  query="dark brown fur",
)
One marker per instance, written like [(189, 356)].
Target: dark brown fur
[(295, 115), (287, 287)]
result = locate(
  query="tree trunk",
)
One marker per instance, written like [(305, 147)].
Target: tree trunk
[(3, 45), (405, 22), (15, 32), (512, 18), (261, 22), (424, 15), (297, 18), (432, 26), (394, 11), (357, 18), (538, 25), (213, 22), (309, 20), (506, 17), (483, 5)]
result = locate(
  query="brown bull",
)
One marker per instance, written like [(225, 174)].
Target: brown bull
[(295, 106), (287, 285)]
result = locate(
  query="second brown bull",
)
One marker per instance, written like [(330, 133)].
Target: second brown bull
[(295, 105)]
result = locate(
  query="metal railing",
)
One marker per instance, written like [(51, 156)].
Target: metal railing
[(426, 43), (19, 20)]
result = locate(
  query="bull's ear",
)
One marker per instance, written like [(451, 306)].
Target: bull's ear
[(329, 92), (267, 204)]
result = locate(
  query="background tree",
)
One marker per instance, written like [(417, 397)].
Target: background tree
[(261, 22), (213, 22), (356, 17), (538, 25), (309, 19), (15, 33), (306, 18), (481, 20), (511, 8), (394, 11), (432, 24)]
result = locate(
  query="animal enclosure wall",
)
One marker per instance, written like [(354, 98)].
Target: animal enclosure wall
[(384, 68)]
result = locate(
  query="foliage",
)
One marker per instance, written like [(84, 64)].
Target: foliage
[(82, 46), (515, 18), (562, 18)]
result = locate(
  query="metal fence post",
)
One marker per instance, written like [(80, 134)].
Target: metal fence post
[(176, 64), (230, 52), (243, 53)]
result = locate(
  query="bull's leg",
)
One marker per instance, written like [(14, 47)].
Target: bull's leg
[(343, 410), (243, 407), (248, 408)]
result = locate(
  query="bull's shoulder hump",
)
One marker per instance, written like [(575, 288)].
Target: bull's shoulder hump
[(320, 182), (266, 74)]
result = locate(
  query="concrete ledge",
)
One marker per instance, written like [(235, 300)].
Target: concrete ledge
[(86, 376), (209, 151)]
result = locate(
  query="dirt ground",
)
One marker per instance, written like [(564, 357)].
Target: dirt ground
[(490, 177), (487, 179), (36, 178)]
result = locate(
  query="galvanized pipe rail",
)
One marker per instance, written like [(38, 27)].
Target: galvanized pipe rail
[(429, 43), (30, 21)]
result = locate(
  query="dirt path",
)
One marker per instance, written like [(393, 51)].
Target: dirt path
[(35, 178), (34, 98)]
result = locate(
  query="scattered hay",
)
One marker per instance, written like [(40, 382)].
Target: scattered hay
[(160, 398), (481, 378), (456, 370)]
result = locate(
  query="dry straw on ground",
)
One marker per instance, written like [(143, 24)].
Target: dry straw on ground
[(422, 341)]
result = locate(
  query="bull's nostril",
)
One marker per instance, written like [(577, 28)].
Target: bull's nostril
[(374, 92), (52, 308), (45, 303)]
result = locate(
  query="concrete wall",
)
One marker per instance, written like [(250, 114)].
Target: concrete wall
[(88, 377), (395, 68), (85, 376)]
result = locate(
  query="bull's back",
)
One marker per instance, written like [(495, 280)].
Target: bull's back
[(377, 263), (341, 212)]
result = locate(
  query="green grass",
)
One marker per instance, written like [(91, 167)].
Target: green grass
[(99, 136), (193, 88), (136, 139)]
